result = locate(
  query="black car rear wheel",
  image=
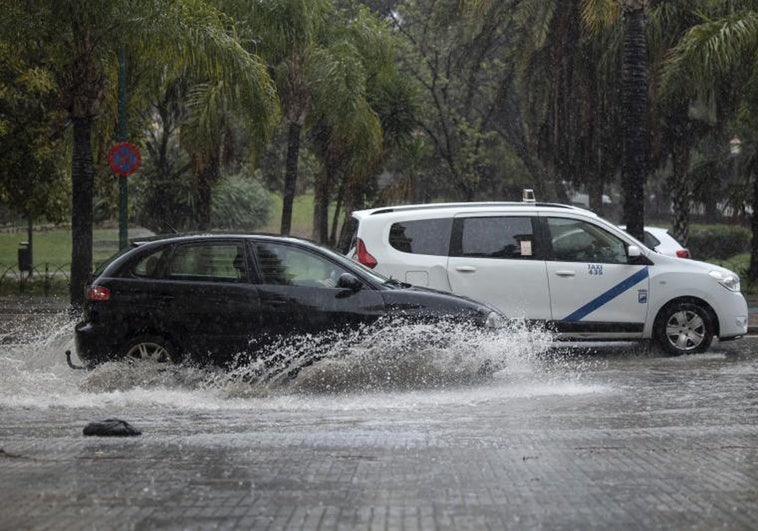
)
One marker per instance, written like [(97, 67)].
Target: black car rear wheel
[(153, 349)]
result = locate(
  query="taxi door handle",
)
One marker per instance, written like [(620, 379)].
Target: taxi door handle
[(466, 269), (565, 273)]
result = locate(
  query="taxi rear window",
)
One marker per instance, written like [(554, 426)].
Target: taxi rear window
[(425, 236)]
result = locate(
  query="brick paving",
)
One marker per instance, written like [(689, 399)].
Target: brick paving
[(614, 440)]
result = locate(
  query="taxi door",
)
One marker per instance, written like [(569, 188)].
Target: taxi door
[(495, 258), (594, 290)]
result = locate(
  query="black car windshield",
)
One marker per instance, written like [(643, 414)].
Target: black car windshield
[(373, 275)]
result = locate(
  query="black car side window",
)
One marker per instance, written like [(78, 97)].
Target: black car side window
[(214, 262), (288, 265), (503, 237)]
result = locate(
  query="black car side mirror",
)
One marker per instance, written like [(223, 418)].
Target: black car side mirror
[(348, 281)]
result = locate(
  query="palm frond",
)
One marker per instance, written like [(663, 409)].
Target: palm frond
[(597, 15), (711, 49)]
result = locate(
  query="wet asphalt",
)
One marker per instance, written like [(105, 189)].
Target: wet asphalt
[(611, 437)]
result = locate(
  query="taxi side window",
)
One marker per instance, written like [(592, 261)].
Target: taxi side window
[(503, 237), (578, 241)]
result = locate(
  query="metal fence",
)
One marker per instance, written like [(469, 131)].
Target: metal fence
[(43, 278)]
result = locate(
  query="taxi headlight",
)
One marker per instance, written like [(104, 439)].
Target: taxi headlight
[(494, 320), (729, 280)]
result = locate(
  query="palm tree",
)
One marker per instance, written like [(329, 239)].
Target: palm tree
[(213, 108), (291, 36), (86, 37), (722, 49), (634, 88), (363, 111)]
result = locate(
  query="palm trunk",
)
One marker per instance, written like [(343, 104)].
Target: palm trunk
[(290, 177), (321, 203), (322, 223), (82, 183), (680, 192), (208, 174), (595, 193), (752, 273), (336, 216), (634, 103)]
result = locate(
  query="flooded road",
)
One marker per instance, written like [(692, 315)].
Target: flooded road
[(395, 430)]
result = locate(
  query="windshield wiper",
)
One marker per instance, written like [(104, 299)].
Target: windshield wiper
[(394, 282)]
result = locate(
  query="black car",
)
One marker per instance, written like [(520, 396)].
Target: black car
[(213, 296)]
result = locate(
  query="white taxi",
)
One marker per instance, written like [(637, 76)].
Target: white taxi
[(560, 265)]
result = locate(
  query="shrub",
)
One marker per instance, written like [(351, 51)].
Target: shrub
[(240, 202), (718, 241)]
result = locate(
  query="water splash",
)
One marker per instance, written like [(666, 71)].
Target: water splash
[(389, 358)]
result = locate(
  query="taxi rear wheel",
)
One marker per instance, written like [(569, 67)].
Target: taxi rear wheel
[(684, 328)]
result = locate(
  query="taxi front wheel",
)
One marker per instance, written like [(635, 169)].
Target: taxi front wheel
[(684, 328)]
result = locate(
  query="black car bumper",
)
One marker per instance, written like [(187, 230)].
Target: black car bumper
[(94, 343)]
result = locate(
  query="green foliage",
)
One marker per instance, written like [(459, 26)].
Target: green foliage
[(240, 202), (740, 264), (32, 177), (718, 241)]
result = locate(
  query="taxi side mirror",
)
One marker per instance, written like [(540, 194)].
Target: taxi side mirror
[(634, 256)]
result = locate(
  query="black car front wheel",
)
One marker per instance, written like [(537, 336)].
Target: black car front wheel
[(153, 349), (684, 328)]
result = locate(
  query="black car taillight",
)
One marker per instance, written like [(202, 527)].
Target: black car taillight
[(364, 257), (97, 293)]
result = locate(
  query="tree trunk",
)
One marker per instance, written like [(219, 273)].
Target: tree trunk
[(595, 193), (336, 217), (82, 183), (324, 185), (634, 104), (206, 175), (290, 177), (680, 191), (752, 273)]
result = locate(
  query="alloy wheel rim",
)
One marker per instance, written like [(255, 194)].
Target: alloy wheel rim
[(685, 330), (152, 352)]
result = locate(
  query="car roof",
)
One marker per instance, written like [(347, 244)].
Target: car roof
[(456, 208), (151, 242), (200, 236)]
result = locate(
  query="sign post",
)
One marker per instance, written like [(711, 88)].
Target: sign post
[(124, 159), (123, 134)]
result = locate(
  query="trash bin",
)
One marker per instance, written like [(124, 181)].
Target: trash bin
[(24, 257)]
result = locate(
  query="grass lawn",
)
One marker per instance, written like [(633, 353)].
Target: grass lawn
[(54, 247), (302, 216)]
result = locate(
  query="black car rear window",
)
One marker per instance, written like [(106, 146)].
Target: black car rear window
[(149, 266), (425, 236)]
